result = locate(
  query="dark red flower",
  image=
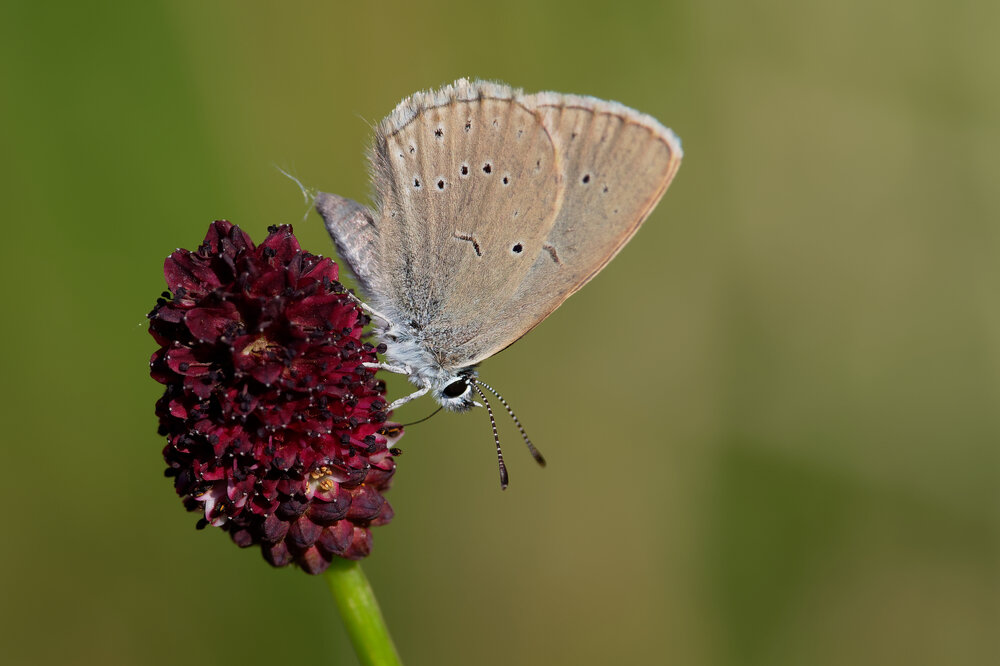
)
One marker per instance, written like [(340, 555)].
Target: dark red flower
[(275, 430)]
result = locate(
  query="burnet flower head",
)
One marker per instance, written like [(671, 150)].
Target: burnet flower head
[(276, 431)]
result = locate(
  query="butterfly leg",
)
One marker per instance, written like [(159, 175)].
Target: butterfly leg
[(395, 369), (406, 398)]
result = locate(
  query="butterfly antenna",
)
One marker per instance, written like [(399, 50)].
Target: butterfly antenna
[(539, 458), (407, 425), (496, 437), (308, 196)]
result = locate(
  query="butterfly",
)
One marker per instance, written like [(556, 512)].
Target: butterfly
[(491, 208)]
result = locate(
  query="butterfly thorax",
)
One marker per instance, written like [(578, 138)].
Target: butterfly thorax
[(451, 387)]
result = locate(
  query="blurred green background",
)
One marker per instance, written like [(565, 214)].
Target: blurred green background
[(772, 423)]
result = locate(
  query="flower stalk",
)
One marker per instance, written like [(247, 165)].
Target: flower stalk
[(360, 613)]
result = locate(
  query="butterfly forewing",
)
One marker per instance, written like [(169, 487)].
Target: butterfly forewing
[(616, 164)]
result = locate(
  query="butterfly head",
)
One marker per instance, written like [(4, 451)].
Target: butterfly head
[(455, 391)]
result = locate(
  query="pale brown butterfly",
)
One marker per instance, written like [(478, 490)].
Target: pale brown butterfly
[(491, 208)]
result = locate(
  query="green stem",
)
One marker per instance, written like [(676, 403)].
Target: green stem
[(360, 613)]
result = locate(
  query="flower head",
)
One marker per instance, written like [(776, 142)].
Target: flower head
[(276, 431)]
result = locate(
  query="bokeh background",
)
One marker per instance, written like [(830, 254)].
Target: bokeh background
[(772, 422)]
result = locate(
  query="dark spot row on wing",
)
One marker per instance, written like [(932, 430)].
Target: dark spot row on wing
[(488, 169), (464, 171), (516, 249), (439, 131)]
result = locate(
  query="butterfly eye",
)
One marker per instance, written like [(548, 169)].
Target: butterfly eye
[(455, 389)]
